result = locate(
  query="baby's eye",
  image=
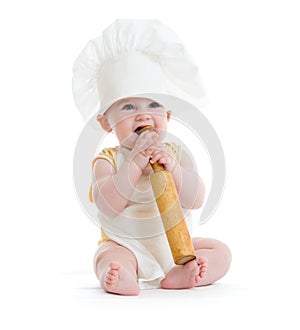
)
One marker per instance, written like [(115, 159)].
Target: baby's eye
[(128, 107), (154, 105)]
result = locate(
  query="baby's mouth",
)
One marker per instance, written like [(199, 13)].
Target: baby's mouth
[(143, 128)]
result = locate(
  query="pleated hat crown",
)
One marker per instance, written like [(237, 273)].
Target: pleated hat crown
[(132, 58)]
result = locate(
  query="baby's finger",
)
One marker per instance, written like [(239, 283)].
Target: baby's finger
[(164, 160), (148, 134), (159, 153), (149, 151), (146, 139), (156, 155)]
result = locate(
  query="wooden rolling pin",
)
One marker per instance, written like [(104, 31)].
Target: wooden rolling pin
[(169, 206)]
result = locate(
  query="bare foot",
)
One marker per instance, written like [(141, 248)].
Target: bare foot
[(118, 280), (186, 276)]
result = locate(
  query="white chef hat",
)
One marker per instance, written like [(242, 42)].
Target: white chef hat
[(133, 58)]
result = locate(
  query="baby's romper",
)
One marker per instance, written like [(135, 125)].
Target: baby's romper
[(139, 226)]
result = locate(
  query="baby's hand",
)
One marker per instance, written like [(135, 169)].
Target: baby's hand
[(145, 144), (163, 156)]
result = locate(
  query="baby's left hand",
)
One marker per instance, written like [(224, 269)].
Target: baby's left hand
[(163, 156)]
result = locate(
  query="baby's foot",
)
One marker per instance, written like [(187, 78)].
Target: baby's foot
[(118, 280), (186, 276)]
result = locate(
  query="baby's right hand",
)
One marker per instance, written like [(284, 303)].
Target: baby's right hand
[(143, 148)]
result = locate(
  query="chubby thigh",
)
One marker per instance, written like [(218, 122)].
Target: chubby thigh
[(156, 245)]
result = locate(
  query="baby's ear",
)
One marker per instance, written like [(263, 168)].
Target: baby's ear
[(169, 113), (102, 120)]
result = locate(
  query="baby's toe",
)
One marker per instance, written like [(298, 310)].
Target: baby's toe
[(197, 280), (202, 271), (201, 260)]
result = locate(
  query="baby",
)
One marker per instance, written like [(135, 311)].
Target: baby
[(134, 252)]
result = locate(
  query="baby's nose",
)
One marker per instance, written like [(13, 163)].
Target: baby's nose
[(143, 116)]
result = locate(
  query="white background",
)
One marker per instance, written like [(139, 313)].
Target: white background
[(248, 54)]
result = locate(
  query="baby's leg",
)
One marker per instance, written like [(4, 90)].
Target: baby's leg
[(212, 262), (116, 269), (186, 276), (218, 258)]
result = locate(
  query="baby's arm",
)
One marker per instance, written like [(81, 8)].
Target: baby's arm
[(189, 185), (111, 190)]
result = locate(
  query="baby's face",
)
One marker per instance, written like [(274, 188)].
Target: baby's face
[(126, 116)]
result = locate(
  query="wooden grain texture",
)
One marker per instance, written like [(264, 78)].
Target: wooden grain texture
[(172, 217), (169, 206)]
